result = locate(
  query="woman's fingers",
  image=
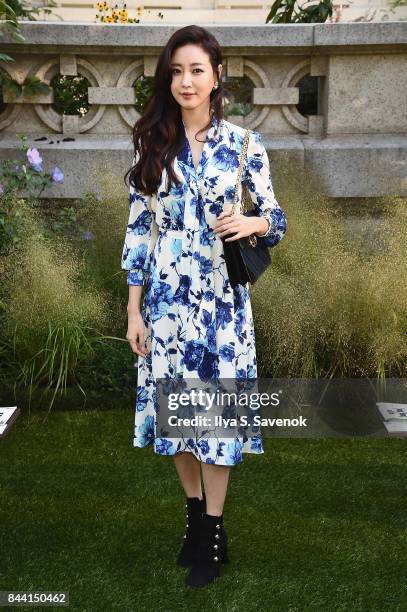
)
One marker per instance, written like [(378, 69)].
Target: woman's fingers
[(224, 213), (223, 220), (234, 237), (238, 227), (136, 341), (234, 227), (225, 225)]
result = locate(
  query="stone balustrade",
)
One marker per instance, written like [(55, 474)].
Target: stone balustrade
[(356, 142)]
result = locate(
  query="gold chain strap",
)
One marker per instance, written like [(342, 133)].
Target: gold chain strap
[(252, 238), (239, 172)]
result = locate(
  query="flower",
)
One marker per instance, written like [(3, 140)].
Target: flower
[(1, 189), (35, 159), (87, 235), (57, 175)]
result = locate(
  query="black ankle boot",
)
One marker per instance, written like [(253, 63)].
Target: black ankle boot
[(195, 508), (211, 552)]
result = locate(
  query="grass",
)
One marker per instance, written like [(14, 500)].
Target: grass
[(313, 524)]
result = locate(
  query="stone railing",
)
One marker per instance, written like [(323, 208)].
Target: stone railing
[(356, 143)]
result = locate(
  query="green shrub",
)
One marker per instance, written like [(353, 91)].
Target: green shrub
[(50, 319), (333, 302)]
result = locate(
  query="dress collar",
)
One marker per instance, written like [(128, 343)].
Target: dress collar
[(214, 135)]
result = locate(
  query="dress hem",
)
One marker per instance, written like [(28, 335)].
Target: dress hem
[(186, 450)]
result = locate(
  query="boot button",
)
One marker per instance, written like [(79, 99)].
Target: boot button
[(187, 525), (217, 526), (216, 535), (215, 559), (185, 536), (216, 546), (186, 505)]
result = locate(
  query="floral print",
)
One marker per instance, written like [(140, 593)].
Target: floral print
[(196, 325)]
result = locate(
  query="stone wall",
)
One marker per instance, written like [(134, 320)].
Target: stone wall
[(356, 143)]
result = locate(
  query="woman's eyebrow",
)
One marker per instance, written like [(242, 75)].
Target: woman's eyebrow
[(193, 64)]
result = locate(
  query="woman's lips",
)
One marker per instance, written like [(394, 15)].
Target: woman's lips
[(187, 95)]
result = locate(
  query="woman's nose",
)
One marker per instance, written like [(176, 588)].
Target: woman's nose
[(186, 79)]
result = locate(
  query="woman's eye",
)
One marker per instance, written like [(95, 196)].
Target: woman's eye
[(175, 70)]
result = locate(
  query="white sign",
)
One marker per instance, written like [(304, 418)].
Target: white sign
[(7, 417)]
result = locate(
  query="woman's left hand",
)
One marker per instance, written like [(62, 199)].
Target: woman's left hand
[(239, 225)]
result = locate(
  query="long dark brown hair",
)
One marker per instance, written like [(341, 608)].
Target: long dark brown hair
[(159, 134)]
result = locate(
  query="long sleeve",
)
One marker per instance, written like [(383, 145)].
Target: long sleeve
[(140, 239), (257, 177)]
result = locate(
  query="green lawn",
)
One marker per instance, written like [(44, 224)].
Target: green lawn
[(313, 524)]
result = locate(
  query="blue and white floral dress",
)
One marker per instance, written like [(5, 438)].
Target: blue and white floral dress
[(196, 325)]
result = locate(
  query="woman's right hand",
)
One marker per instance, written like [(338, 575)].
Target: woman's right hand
[(135, 334)]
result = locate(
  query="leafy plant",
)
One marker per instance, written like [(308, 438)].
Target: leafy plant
[(70, 94), (26, 174), (31, 86), (238, 96), (10, 12), (143, 87), (396, 3), (288, 11)]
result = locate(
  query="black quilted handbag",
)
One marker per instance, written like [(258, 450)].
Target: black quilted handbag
[(247, 258)]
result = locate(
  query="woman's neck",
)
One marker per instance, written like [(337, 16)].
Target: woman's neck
[(194, 123)]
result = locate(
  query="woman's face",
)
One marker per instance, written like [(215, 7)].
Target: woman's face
[(192, 74)]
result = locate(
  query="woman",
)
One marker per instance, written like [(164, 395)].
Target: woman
[(192, 324)]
